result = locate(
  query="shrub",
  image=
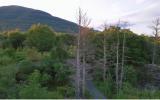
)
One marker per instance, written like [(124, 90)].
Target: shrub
[(33, 55), (5, 60), (20, 55), (62, 73), (66, 91), (130, 92), (7, 81), (34, 90), (106, 87), (130, 75)]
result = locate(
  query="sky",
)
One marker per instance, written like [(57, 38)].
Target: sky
[(139, 13)]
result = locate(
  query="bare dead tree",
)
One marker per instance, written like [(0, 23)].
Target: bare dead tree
[(78, 77), (123, 54), (83, 23), (117, 63), (156, 28), (104, 52)]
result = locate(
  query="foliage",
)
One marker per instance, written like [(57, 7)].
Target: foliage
[(33, 89), (129, 92), (106, 87), (40, 37), (34, 64), (59, 54), (8, 87), (130, 75), (16, 39), (61, 72)]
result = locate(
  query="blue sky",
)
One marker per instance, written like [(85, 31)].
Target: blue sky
[(140, 13)]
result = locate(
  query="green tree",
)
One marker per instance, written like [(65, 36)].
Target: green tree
[(58, 54), (41, 37), (16, 39), (33, 90), (8, 87)]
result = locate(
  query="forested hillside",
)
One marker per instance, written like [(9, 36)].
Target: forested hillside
[(13, 17)]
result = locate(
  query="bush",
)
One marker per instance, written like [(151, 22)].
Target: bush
[(106, 87), (20, 55), (5, 60), (25, 66), (34, 90), (9, 52), (8, 87), (129, 92), (130, 75), (62, 73), (33, 55), (66, 91)]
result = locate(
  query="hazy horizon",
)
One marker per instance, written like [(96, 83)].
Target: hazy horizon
[(139, 13)]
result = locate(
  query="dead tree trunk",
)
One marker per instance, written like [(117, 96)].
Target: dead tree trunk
[(78, 77), (104, 52), (83, 71), (154, 53), (117, 63), (104, 58), (156, 28), (85, 31), (123, 55), (81, 53)]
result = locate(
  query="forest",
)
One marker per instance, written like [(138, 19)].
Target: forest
[(41, 63)]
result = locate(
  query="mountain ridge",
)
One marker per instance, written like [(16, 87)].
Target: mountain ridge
[(14, 16)]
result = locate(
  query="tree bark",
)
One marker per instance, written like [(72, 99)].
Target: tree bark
[(154, 52), (155, 27), (117, 64), (123, 55), (84, 73), (104, 58), (78, 77)]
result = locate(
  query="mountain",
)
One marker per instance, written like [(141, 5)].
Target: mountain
[(12, 17)]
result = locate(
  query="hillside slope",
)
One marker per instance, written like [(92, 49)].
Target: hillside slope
[(12, 17)]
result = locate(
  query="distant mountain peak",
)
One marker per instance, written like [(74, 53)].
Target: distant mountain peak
[(14, 16)]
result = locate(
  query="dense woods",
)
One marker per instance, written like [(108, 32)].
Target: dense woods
[(41, 63)]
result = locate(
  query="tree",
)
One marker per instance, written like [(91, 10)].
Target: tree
[(117, 61), (104, 53), (8, 86), (41, 37), (34, 90), (156, 28), (78, 77), (16, 39), (123, 54), (83, 23), (59, 54), (85, 30)]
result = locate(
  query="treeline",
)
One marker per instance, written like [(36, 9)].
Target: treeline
[(34, 64)]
